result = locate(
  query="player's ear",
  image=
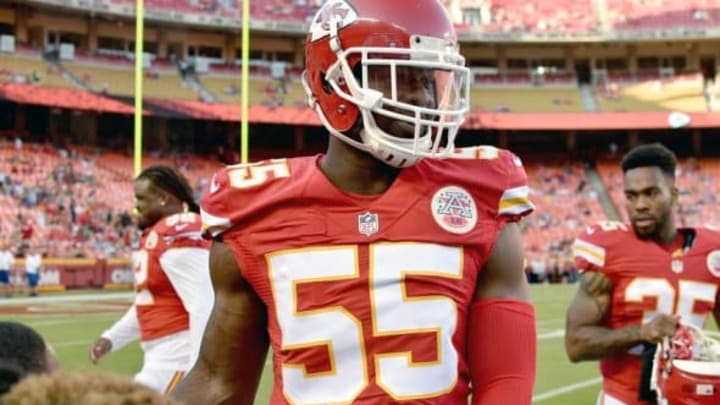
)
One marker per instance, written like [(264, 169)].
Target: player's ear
[(674, 193), (163, 197)]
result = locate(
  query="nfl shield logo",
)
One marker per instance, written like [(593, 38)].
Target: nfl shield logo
[(368, 223)]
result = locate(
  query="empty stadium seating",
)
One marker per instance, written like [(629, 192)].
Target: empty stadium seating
[(526, 99), (29, 68), (100, 74), (263, 90), (118, 78), (680, 93)]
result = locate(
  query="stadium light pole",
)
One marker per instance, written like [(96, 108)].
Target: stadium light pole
[(139, 42), (244, 82)]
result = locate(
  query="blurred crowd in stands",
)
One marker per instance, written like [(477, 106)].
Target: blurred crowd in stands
[(565, 203), (499, 16), (75, 203), (61, 212), (58, 201)]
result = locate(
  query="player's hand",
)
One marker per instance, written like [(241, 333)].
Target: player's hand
[(101, 347), (660, 327)]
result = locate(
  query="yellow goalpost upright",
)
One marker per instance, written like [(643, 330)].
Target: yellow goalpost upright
[(138, 127), (244, 82), (139, 74)]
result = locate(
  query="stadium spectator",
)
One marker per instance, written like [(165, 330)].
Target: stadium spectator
[(7, 260), (82, 388), (173, 293), (26, 228), (33, 267), (7, 185), (319, 251), (231, 89), (23, 352), (610, 318)]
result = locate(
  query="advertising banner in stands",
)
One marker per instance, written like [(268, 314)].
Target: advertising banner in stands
[(58, 274), (118, 274)]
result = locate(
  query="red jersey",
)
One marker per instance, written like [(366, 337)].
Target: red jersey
[(647, 280), (160, 310), (367, 296)]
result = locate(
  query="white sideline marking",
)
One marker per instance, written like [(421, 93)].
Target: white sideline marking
[(9, 302), (72, 343), (76, 319), (550, 321), (558, 333), (566, 389), (87, 343)]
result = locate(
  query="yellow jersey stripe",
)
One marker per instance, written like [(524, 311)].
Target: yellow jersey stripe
[(590, 255)]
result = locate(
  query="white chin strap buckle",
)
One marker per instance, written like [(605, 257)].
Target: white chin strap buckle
[(371, 99)]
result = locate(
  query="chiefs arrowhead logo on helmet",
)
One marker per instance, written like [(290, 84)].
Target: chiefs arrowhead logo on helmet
[(332, 10), (686, 370)]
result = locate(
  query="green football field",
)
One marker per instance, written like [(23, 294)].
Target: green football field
[(70, 323)]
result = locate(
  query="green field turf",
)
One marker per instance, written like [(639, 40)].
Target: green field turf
[(559, 382)]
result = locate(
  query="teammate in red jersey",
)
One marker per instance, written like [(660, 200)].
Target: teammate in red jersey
[(375, 275), (638, 281), (173, 292)]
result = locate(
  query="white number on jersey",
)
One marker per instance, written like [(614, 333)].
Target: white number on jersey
[(254, 174), (610, 226), (393, 313), (688, 294)]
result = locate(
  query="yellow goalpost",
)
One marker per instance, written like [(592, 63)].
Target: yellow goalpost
[(139, 74), (244, 82), (138, 127)]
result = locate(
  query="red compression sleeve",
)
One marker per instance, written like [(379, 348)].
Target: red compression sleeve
[(502, 352)]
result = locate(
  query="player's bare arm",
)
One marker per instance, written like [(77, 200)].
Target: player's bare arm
[(502, 357), (504, 274), (235, 344), (585, 336)]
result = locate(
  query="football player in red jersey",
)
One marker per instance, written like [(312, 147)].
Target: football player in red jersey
[(173, 292), (639, 281), (375, 275)]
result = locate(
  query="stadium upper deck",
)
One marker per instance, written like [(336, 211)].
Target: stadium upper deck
[(575, 79), (475, 19)]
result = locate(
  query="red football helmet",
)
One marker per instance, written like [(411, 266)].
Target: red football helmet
[(353, 42), (686, 370)]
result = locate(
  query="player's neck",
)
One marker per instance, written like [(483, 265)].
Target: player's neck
[(667, 235), (355, 171), (172, 208)]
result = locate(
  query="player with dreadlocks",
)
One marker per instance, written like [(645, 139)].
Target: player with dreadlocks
[(173, 293)]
